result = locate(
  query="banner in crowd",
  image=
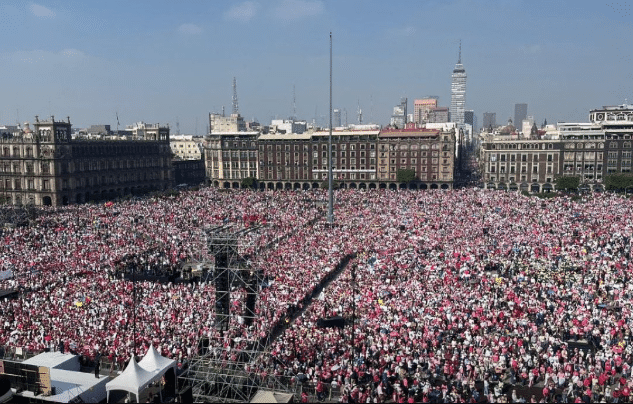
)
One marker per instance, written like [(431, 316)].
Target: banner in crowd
[(6, 274)]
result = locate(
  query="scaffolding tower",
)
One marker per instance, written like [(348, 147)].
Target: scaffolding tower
[(224, 368)]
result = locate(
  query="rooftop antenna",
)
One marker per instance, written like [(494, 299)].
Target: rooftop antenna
[(345, 110), (117, 121), (459, 59), (360, 114), (177, 126), (235, 106), (371, 108), (222, 110), (196, 126)]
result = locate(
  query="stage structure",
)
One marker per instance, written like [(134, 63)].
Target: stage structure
[(224, 368)]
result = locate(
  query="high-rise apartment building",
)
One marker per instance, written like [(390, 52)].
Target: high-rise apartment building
[(520, 113), (422, 108), (458, 92)]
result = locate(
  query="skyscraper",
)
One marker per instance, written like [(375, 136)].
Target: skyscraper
[(490, 120), (336, 120), (520, 113), (399, 117), (469, 118), (458, 91)]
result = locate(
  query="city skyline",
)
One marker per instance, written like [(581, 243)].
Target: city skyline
[(166, 62)]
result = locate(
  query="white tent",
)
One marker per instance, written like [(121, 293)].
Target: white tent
[(154, 362), (133, 379)]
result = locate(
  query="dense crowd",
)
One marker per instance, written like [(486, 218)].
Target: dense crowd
[(457, 292), (463, 295)]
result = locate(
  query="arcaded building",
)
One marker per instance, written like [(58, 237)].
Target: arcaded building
[(45, 166)]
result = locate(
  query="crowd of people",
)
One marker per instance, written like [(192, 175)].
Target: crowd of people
[(456, 292), (461, 295)]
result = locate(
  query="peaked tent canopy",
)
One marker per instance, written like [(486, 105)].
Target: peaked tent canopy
[(154, 362), (133, 379)]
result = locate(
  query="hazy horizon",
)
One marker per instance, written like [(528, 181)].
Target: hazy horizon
[(166, 61)]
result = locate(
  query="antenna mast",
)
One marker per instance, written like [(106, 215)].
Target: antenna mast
[(360, 114), (235, 105), (459, 59)]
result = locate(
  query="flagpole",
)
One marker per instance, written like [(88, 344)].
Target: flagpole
[(330, 213)]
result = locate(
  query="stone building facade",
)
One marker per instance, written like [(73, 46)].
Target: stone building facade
[(45, 166), (300, 161)]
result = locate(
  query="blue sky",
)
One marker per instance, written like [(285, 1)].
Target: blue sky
[(163, 61)]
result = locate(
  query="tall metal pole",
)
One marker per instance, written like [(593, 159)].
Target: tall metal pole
[(330, 212)]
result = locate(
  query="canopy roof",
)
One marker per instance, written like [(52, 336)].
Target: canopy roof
[(137, 376)]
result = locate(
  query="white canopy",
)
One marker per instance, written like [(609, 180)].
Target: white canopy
[(137, 376), (154, 362), (133, 379)]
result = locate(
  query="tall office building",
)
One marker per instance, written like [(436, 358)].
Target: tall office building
[(490, 120), (399, 117), (422, 108), (336, 118), (458, 91), (520, 113), (469, 118)]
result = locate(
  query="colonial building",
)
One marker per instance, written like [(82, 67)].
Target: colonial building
[(300, 161), (430, 153), (186, 147), (45, 166), (230, 157), (512, 162), (589, 150)]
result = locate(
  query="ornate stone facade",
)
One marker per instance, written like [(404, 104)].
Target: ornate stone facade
[(45, 166)]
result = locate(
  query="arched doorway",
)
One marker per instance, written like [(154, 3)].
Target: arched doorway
[(502, 187), (271, 186), (535, 188), (393, 186), (362, 185), (403, 186), (216, 183), (297, 186), (372, 185), (548, 187), (352, 185), (424, 186), (413, 186), (525, 187), (513, 187), (342, 185), (227, 185), (382, 185), (306, 186), (444, 186), (236, 185), (279, 185), (434, 186), (262, 186), (288, 186), (315, 185), (47, 201)]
